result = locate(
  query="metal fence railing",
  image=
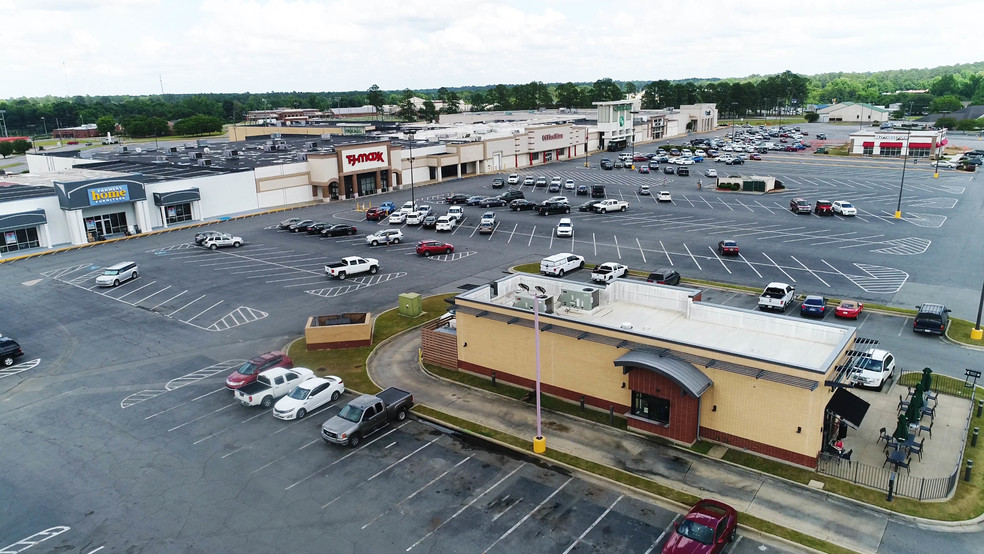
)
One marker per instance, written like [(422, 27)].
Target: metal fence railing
[(919, 488)]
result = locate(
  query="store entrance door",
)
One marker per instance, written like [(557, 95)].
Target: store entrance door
[(101, 226)]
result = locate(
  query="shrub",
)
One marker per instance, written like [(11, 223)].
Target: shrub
[(811, 117)]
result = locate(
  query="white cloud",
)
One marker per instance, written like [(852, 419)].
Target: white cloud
[(127, 46)]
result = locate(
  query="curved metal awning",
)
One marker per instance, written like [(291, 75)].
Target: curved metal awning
[(21, 220), (173, 197), (686, 375)]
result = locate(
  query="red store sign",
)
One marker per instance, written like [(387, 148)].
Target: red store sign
[(365, 157), (552, 136)]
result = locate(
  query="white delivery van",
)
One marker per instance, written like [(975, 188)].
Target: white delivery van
[(559, 264)]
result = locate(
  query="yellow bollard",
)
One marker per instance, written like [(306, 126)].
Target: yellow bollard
[(539, 445), (976, 334)]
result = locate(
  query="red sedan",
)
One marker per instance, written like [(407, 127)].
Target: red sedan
[(849, 308), (377, 214), (428, 247), (728, 247), (707, 529), (755, 156), (247, 372)]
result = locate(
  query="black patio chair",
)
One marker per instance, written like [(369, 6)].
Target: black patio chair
[(882, 435), (927, 411), (927, 428), (847, 455), (903, 404), (905, 464), (918, 448), (891, 444)]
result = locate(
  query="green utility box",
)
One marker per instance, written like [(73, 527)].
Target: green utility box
[(410, 304)]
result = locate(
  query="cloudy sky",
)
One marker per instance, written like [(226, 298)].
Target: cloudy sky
[(93, 47)]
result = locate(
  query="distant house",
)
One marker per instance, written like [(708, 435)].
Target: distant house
[(853, 112)]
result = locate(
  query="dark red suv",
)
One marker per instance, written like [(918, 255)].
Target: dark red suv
[(247, 372), (823, 207)]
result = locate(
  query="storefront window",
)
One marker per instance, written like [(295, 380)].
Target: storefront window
[(547, 156), (535, 156), (106, 224), (367, 184), (178, 213), (919, 152), (894, 151), (19, 239), (868, 150), (651, 407)]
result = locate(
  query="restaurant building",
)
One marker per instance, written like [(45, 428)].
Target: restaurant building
[(672, 365), (894, 143)]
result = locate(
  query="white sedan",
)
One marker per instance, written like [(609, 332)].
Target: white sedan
[(710, 172), (843, 207), (664, 196), (948, 164), (308, 396), (569, 184)]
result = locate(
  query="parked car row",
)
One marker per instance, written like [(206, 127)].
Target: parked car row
[(312, 227), (822, 207)]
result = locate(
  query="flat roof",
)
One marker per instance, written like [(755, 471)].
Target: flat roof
[(670, 314)]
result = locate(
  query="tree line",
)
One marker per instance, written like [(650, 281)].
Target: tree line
[(156, 115)]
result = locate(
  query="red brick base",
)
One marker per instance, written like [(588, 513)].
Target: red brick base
[(758, 448)]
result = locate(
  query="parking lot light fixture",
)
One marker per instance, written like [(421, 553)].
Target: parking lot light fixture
[(410, 135), (905, 158), (977, 333), (539, 442)]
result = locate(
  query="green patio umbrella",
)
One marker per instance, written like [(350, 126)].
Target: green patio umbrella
[(927, 379), (902, 428), (914, 412)]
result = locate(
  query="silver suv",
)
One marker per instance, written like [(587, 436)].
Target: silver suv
[(113, 275), (386, 236)]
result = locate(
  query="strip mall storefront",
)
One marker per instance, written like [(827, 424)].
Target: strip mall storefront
[(354, 171), (101, 208), (24, 230)]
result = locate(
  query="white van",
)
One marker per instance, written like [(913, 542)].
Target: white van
[(559, 264), (113, 275), (457, 213)]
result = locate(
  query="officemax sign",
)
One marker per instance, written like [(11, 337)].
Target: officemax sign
[(109, 195)]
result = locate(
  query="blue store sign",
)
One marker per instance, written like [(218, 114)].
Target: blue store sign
[(109, 195)]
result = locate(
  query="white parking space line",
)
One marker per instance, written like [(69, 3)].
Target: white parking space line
[(416, 492), (531, 236), (19, 368), (34, 539), (668, 259), (779, 268), (825, 283), (617, 249), (752, 267), (224, 429), (203, 311), (465, 507), (593, 525), (511, 234), (346, 456), (185, 306), (151, 295), (403, 459), (594, 243), (168, 300), (745, 205), (203, 416), (641, 250), (692, 257), (718, 258), (135, 290), (663, 534), (721, 200), (528, 515)]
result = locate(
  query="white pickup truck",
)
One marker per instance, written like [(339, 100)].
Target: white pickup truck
[(351, 265), (608, 272), (776, 296), (611, 205), (271, 385), (222, 240)]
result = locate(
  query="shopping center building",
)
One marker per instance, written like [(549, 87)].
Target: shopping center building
[(894, 143), (671, 365)]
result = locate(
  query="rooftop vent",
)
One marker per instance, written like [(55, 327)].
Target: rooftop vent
[(204, 163)]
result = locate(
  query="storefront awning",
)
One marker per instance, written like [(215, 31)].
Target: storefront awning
[(688, 377), (890, 145), (851, 408), (22, 220), (176, 197), (868, 144), (926, 145)]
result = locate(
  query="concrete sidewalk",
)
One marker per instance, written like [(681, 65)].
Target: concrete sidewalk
[(845, 522)]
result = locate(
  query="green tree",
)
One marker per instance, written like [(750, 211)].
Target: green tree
[(964, 125), (106, 124), (946, 84), (198, 125), (947, 122), (375, 98), (568, 95), (478, 102), (948, 103), (452, 103), (21, 146), (501, 97), (407, 111), (428, 112), (605, 90), (811, 117), (6, 148), (630, 88)]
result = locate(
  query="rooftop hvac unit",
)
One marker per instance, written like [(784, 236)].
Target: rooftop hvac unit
[(586, 298), (160, 159), (125, 150), (310, 145), (202, 142), (173, 150), (300, 157), (276, 136), (204, 163), (195, 155), (525, 302), (326, 137)]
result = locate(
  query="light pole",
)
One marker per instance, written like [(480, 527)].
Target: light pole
[(939, 154), (45, 125), (539, 443), (3, 123), (905, 158), (411, 134), (977, 333)]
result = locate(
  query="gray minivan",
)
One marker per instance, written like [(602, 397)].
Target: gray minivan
[(931, 318), (113, 275)]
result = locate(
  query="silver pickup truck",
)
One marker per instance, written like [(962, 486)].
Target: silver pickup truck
[(365, 415)]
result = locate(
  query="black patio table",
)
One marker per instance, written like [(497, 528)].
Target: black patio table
[(897, 457), (908, 443)]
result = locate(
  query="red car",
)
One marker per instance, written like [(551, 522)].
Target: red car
[(640, 158), (428, 247), (755, 156), (849, 308), (377, 214), (728, 247), (247, 372), (72, 142), (707, 529)]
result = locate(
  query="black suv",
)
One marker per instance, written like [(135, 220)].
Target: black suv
[(548, 208), (606, 164), (931, 319), (664, 276), (9, 351), (511, 195)]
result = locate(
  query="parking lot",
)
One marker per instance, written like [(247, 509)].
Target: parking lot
[(120, 407)]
